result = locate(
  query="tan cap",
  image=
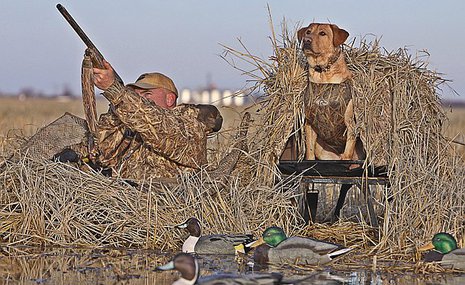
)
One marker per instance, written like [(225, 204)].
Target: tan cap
[(154, 80)]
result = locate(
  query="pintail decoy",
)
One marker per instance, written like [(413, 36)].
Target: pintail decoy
[(274, 247), (210, 244), (445, 251)]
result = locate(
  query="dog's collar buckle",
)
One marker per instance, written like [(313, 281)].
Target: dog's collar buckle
[(332, 60), (318, 68)]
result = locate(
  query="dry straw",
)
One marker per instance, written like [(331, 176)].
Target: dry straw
[(48, 203), (398, 117)]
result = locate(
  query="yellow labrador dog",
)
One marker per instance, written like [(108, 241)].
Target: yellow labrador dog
[(329, 112)]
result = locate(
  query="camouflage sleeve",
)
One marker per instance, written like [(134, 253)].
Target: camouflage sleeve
[(175, 135)]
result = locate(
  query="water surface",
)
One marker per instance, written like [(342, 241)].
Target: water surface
[(136, 267)]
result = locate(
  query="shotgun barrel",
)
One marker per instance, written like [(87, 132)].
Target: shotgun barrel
[(97, 59)]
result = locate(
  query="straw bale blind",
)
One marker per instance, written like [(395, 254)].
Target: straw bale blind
[(399, 118), (51, 203)]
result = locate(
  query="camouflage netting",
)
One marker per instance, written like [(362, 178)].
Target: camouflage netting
[(65, 132)]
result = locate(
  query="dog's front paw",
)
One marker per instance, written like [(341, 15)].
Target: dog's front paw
[(310, 157), (345, 157)]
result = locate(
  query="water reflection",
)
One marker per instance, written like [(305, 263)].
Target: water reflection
[(368, 277), (136, 267)]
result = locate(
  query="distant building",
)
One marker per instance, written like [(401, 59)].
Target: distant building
[(214, 97)]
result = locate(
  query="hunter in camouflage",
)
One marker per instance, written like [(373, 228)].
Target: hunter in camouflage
[(138, 138)]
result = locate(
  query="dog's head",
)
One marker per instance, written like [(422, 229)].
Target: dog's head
[(321, 40), (211, 117)]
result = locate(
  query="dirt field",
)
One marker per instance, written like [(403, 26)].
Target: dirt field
[(456, 128), (23, 118)]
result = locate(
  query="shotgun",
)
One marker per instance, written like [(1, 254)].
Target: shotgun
[(92, 58)]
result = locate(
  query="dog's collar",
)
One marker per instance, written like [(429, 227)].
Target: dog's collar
[(332, 60)]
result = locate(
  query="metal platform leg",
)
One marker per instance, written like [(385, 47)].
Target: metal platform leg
[(303, 202), (308, 202), (341, 199), (312, 201)]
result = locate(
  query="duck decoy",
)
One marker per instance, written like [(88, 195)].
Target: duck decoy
[(210, 244), (187, 265), (444, 250), (276, 248)]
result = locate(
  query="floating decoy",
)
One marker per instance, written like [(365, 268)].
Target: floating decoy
[(210, 244), (445, 251), (276, 248)]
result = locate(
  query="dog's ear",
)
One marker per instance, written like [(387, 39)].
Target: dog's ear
[(339, 35), (301, 33)]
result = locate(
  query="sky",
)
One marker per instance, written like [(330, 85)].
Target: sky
[(184, 38)]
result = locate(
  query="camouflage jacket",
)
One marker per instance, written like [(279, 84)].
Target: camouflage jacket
[(326, 105), (138, 139)]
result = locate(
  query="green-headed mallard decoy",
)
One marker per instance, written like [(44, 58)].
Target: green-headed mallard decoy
[(189, 268), (210, 244), (274, 247), (445, 251)]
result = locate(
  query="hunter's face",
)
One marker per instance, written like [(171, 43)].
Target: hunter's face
[(160, 96)]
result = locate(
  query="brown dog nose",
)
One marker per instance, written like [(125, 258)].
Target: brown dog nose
[(307, 44)]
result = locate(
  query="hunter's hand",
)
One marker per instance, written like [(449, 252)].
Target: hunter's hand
[(104, 78)]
